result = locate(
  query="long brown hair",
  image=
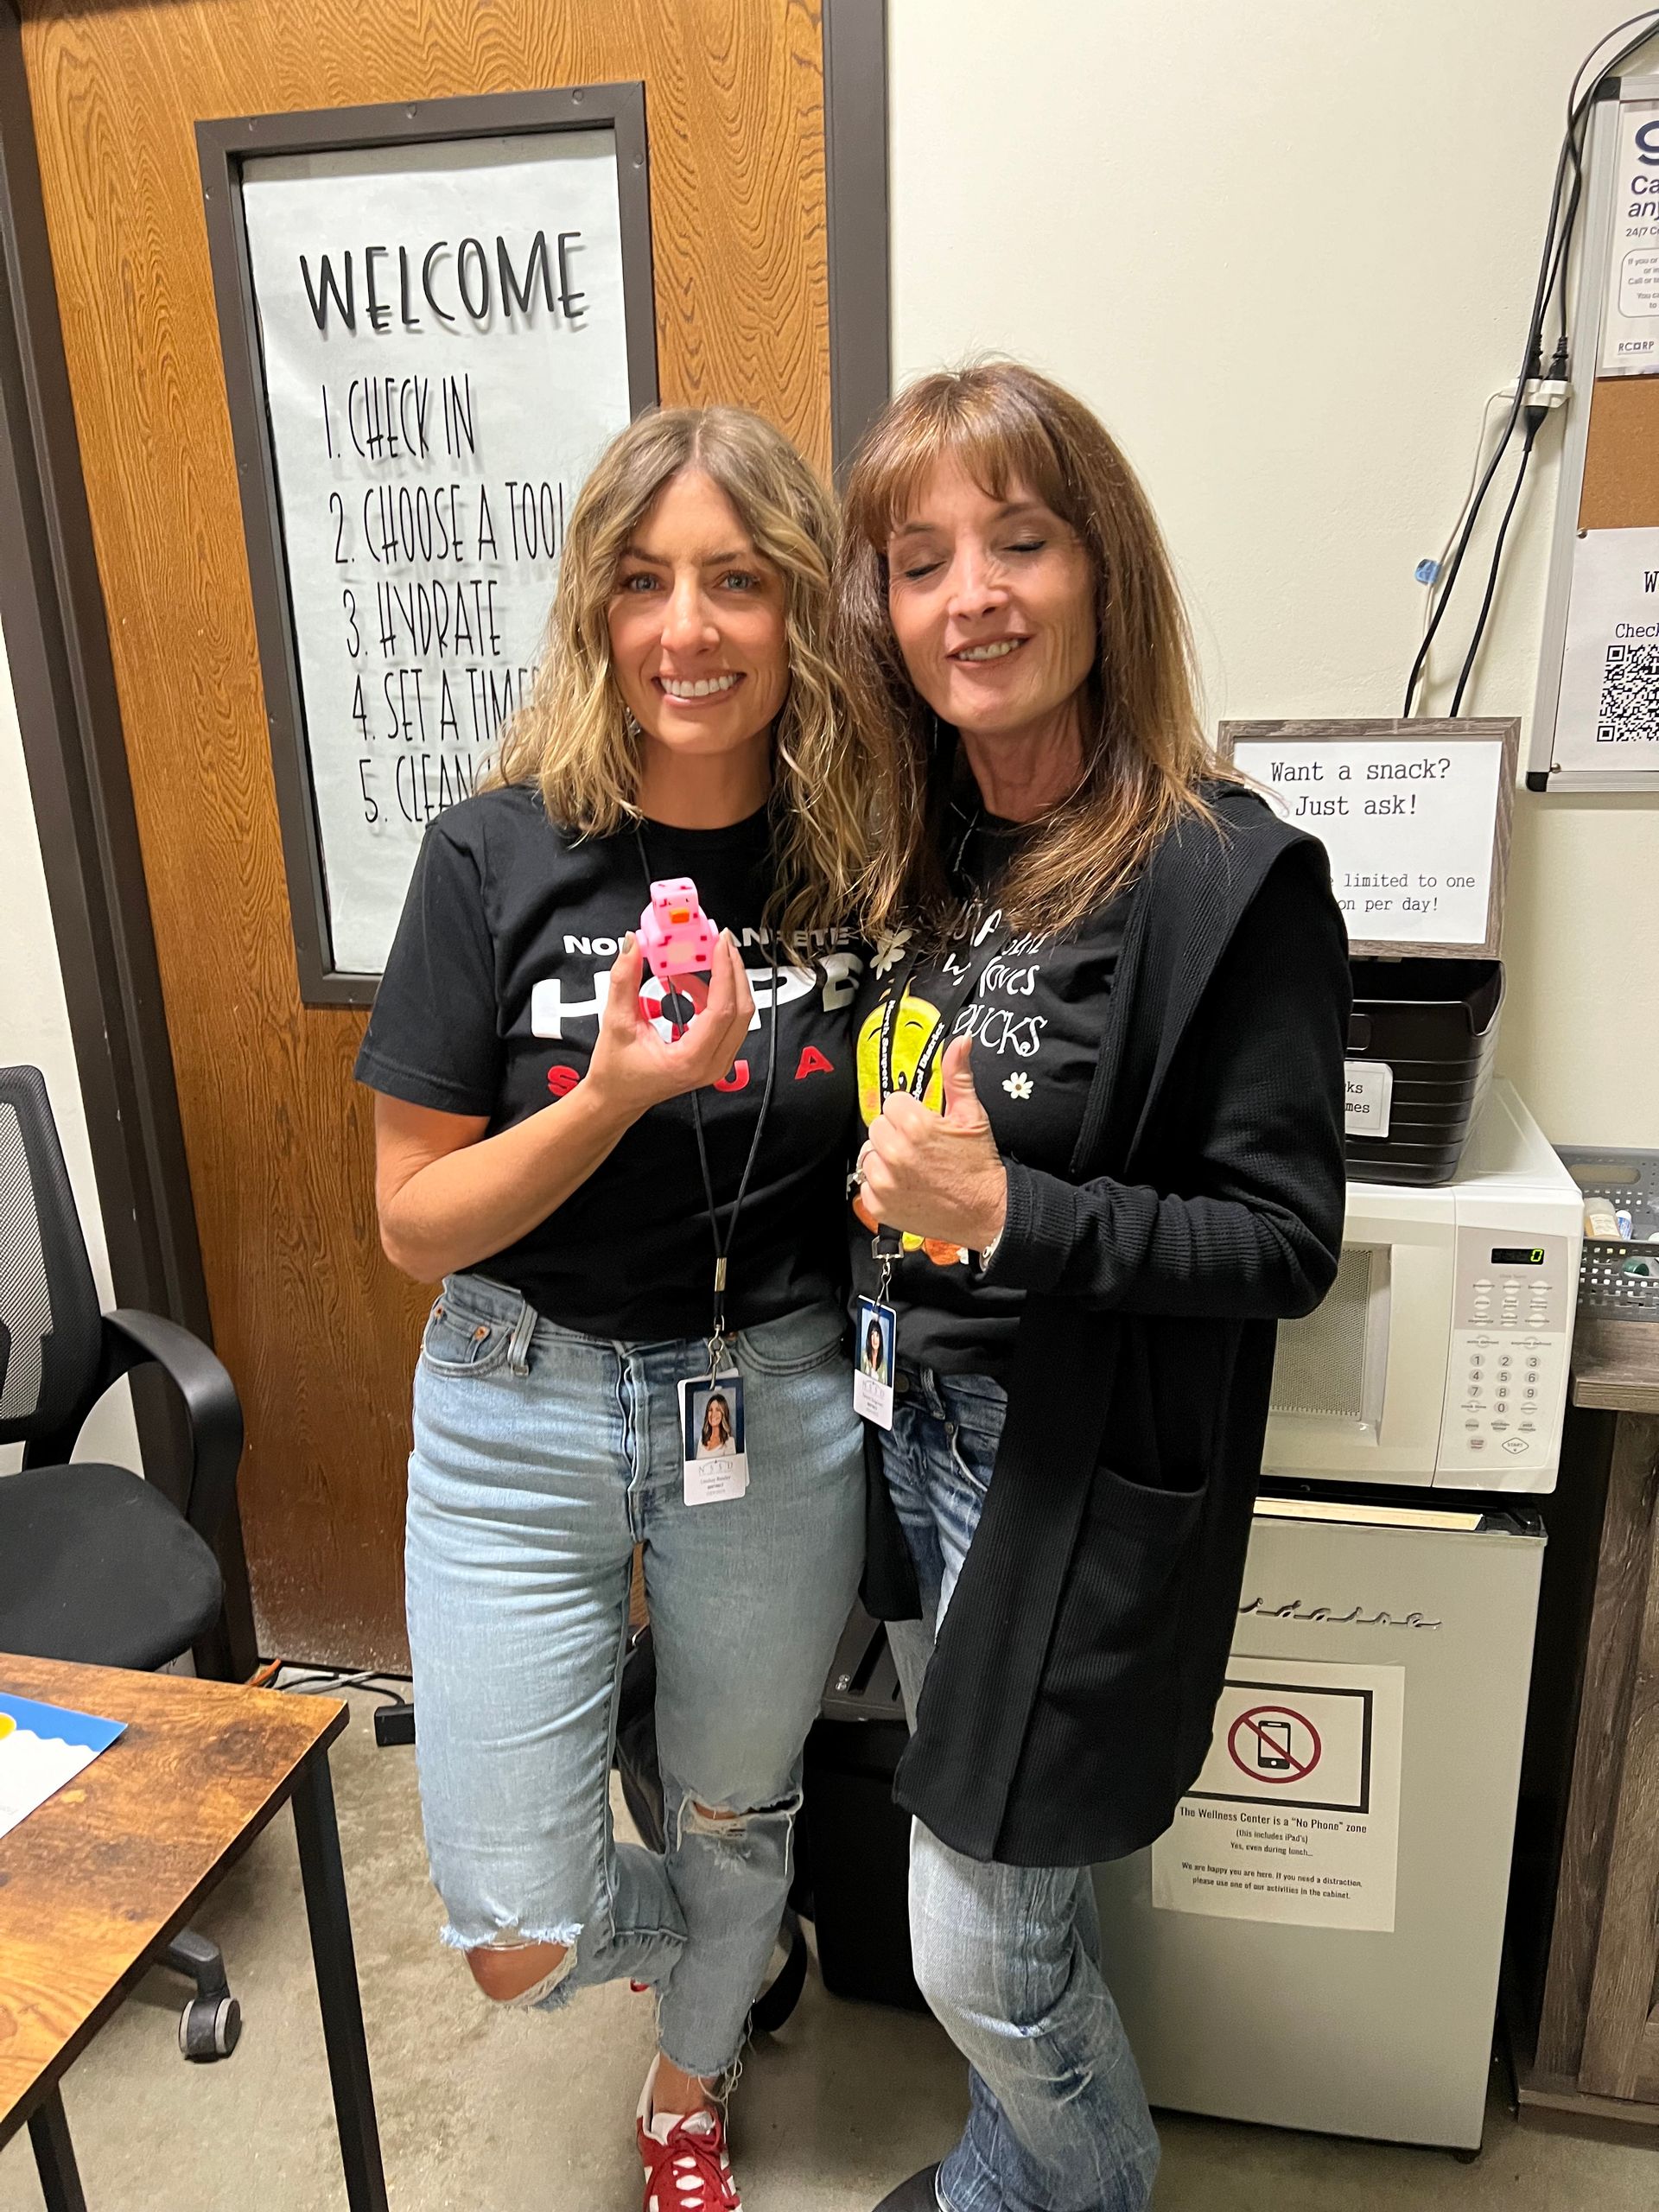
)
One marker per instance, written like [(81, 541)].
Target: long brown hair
[(574, 737), (1145, 756)]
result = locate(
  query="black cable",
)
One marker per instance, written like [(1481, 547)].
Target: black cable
[(1454, 561), (1553, 260), (324, 1681), (1534, 423), (1566, 196), (1577, 109)]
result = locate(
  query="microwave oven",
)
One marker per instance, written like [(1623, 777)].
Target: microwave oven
[(1439, 1356)]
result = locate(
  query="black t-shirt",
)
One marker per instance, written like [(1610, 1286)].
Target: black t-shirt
[(490, 1005), (1036, 1011)]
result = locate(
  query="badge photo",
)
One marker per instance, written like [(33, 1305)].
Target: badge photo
[(711, 1432), (877, 1334)]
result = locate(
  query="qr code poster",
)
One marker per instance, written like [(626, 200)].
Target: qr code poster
[(1608, 716)]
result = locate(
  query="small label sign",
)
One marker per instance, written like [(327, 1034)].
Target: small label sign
[(1369, 1094)]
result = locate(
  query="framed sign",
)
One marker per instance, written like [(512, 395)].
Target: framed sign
[(432, 317), (1595, 718), (1416, 816)]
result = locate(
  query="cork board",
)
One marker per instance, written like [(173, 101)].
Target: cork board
[(1621, 455)]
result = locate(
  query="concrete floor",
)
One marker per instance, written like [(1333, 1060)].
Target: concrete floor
[(490, 2112)]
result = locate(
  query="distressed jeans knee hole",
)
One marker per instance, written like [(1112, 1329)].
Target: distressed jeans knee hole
[(508, 1944)]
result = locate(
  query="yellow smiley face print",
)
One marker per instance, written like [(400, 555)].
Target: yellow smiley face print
[(916, 1023)]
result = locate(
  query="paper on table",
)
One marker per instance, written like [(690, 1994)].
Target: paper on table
[(41, 1747)]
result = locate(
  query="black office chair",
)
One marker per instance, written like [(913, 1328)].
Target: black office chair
[(96, 1566)]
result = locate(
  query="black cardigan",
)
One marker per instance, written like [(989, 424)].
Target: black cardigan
[(1070, 1698)]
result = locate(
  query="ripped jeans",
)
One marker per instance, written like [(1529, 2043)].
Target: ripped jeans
[(541, 1457), (1007, 1957)]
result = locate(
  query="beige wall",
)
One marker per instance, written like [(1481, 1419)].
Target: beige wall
[(1287, 251), (35, 1027)]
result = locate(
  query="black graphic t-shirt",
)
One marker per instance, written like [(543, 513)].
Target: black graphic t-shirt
[(490, 1005), (1037, 1014)]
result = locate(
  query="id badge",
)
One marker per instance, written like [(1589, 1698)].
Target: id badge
[(878, 1332), (711, 1435)]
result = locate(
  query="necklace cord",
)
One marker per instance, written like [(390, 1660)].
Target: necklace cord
[(723, 1247)]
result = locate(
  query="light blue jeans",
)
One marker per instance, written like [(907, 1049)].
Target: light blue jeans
[(1009, 1957), (541, 1458)]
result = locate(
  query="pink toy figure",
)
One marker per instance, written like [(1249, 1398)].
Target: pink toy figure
[(676, 936)]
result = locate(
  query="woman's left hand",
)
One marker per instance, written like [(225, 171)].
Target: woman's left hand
[(936, 1176)]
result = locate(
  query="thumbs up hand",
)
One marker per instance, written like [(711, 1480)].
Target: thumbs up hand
[(937, 1176)]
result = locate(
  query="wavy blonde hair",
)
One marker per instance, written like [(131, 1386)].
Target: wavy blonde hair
[(1145, 757), (573, 735)]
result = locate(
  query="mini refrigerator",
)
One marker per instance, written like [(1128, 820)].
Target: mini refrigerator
[(1315, 1943)]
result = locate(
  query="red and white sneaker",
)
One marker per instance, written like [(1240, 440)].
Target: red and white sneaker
[(684, 2156)]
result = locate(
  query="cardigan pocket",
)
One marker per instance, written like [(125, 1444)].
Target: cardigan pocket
[(1158, 1515), (1117, 1644)]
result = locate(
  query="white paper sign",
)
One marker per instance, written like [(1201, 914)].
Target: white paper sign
[(1369, 1096), (1608, 716), (444, 358), (1408, 823), (1295, 1817), (1630, 322)]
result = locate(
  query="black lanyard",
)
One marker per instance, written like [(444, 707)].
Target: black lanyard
[(723, 1246), (888, 1243)]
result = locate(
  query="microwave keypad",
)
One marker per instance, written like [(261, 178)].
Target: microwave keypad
[(1508, 1353), (1507, 1391)]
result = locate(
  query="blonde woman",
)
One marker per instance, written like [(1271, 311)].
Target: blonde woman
[(573, 1149)]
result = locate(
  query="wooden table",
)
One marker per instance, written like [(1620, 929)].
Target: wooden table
[(96, 1882), (1583, 2003)]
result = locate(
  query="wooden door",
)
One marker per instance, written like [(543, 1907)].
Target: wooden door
[(315, 1327)]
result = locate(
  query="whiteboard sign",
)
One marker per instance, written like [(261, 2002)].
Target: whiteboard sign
[(1295, 1815), (1415, 817), (445, 334), (1629, 321), (1608, 711)]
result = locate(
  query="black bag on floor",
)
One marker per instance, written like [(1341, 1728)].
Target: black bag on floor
[(857, 1837), (636, 1741)]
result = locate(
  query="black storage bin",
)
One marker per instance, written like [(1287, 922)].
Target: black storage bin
[(856, 1843), (1435, 1023)]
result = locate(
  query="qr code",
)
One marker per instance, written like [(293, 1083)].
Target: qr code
[(1629, 713)]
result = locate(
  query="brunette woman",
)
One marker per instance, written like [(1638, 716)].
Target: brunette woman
[(1101, 1062), (715, 1441), (544, 1109)]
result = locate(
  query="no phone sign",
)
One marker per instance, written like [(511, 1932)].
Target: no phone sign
[(1286, 1742), (1272, 1745)]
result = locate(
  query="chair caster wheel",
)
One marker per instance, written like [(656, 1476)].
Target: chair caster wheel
[(209, 2028)]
